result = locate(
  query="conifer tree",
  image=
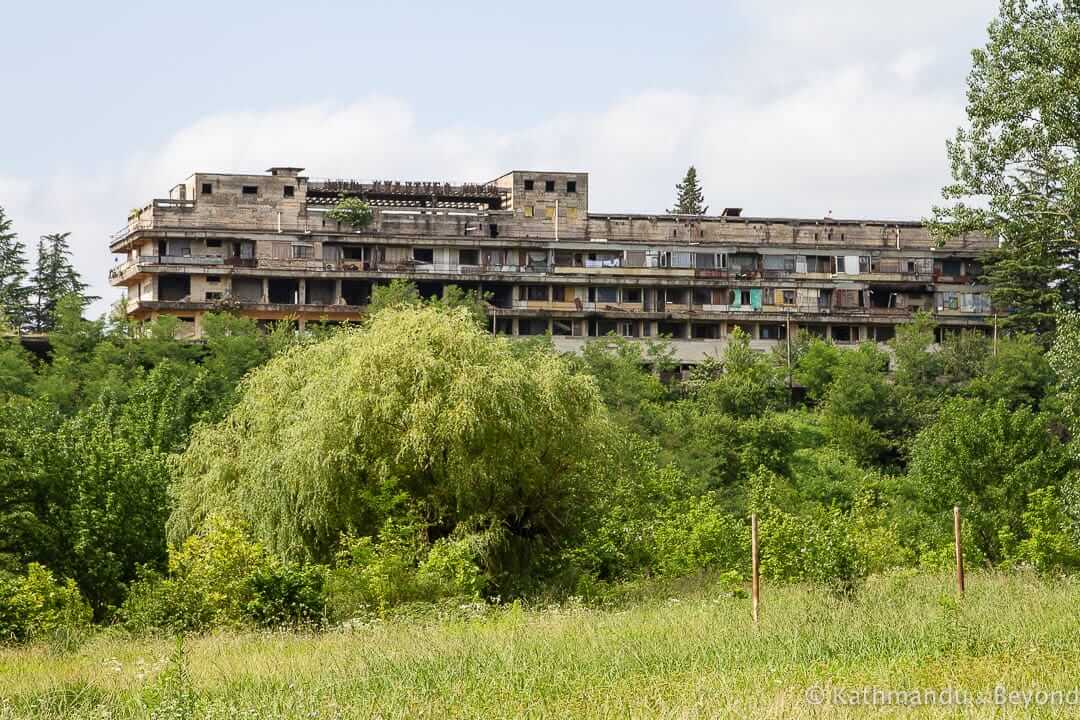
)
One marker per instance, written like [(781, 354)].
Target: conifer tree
[(690, 199), (14, 293), (55, 277), (1016, 165)]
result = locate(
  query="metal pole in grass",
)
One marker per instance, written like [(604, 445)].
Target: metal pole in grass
[(959, 546), (754, 585)]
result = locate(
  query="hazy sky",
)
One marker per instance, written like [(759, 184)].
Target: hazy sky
[(786, 107)]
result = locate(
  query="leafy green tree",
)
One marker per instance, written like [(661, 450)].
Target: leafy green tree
[(690, 198), (748, 386), (399, 293), (626, 385), (352, 211), (1018, 373), (1016, 166), (420, 406), (14, 292), (54, 278), (917, 371), (16, 369), (816, 366), (454, 296), (987, 459)]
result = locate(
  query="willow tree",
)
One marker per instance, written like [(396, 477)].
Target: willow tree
[(420, 409)]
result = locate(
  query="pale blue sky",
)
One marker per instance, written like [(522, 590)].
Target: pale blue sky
[(786, 107)]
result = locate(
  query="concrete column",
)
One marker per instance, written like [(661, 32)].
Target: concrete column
[(689, 331), (301, 293), (514, 324), (337, 291), (265, 291)]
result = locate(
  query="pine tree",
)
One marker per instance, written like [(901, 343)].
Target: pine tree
[(14, 293), (691, 199), (54, 278)]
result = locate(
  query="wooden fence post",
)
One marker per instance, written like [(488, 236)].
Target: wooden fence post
[(959, 547), (754, 585)]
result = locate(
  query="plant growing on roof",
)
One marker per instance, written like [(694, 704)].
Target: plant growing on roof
[(352, 211)]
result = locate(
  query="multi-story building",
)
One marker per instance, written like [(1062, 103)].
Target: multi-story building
[(264, 246)]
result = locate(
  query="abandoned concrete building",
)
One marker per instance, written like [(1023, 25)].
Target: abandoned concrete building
[(263, 246)]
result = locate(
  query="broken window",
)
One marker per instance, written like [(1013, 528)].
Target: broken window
[(423, 255), (213, 295), (631, 295), (247, 289), (702, 296), (469, 257), (207, 188), (571, 186), (562, 327), (173, 288), (529, 184), (536, 293), (604, 294), (705, 331), (532, 326), (845, 333), (504, 326), (213, 279), (289, 191), (250, 190), (284, 291), (772, 332), (212, 243), (549, 186), (676, 330), (356, 292), (884, 333)]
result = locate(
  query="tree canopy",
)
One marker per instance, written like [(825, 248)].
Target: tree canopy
[(418, 408), (690, 198)]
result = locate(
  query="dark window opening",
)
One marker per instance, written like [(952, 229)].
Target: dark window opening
[(529, 184), (562, 327), (502, 296), (207, 189), (884, 333), (468, 257), (423, 255), (290, 190), (303, 251), (213, 279), (504, 326), (320, 292), (536, 292), (173, 288), (186, 319), (631, 295), (772, 332), (284, 291), (351, 252), (705, 331), (250, 190), (210, 296), (532, 326), (493, 230), (675, 330), (571, 186), (213, 243), (549, 186), (356, 292), (844, 333)]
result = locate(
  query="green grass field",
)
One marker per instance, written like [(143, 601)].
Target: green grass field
[(677, 652)]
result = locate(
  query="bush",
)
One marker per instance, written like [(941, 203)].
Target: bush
[(221, 578), (399, 567), (37, 606), (813, 546), (695, 535), (287, 594)]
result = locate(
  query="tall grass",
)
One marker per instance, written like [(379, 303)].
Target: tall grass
[(680, 653)]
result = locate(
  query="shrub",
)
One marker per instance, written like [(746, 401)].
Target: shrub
[(220, 577), (696, 535), (813, 546), (37, 606), (287, 594)]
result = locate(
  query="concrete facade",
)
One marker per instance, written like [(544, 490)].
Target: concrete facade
[(264, 246)]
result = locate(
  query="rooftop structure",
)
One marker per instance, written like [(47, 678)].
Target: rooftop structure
[(264, 246)]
